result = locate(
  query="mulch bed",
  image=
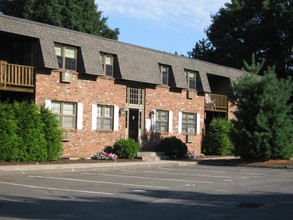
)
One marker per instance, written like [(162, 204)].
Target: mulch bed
[(68, 161)]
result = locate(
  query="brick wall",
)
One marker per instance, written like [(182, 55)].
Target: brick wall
[(99, 90), (176, 101)]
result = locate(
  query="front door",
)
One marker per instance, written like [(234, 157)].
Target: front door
[(133, 124)]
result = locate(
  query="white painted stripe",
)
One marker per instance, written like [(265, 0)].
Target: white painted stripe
[(193, 170), (150, 178), (185, 174), (57, 189), (100, 182)]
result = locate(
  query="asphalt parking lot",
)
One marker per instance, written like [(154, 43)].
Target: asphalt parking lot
[(196, 192)]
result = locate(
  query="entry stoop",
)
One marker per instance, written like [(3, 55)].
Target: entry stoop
[(152, 156)]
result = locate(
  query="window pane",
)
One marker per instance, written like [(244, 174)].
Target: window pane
[(68, 109), (70, 52), (107, 112), (60, 61), (109, 70), (58, 50), (109, 60), (107, 124), (99, 124), (56, 107), (192, 84), (70, 63), (99, 111), (68, 122)]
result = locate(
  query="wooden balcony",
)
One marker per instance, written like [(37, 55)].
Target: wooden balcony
[(15, 77), (216, 102)]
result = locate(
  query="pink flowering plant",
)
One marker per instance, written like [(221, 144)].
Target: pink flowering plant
[(102, 155), (192, 154)]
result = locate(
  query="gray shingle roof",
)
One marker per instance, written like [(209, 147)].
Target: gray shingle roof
[(136, 63)]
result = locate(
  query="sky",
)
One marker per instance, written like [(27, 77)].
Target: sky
[(166, 25)]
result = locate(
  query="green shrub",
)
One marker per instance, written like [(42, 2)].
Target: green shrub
[(28, 133), (126, 148), (30, 129), (8, 136), (217, 140), (53, 134), (172, 147)]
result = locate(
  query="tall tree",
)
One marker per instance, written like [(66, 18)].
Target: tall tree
[(244, 27), (80, 15), (264, 124)]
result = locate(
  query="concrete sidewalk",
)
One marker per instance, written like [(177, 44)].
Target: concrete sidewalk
[(35, 169), (11, 170)]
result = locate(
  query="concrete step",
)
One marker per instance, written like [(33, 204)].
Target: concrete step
[(152, 156)]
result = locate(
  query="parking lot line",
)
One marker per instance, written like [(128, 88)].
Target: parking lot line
[(57, 189), (100, 182), (150, 178), (193, 170)]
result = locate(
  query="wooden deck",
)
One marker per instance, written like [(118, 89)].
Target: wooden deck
[(14, 77), (216, 102)]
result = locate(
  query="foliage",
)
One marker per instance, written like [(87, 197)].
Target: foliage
[(217, 140), (192, 154), (8, 137), (264, 127), (103, 155), (27, 135), (53, 134), (73, 14), (172, 147), (30, 131), (243, 27), (126, 148)]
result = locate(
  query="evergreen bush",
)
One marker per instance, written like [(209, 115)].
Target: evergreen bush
[(217, 140), (30, 129), (172, 147), (264, 125), (28, 133), (126, 148), (9, 140), (53, 134)]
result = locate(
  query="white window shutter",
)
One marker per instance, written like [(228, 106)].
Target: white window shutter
[(180, 122), (94, 117), (48, 104), (116, 118), (153, 120), (198, 123), (79, 116), (170, 129)]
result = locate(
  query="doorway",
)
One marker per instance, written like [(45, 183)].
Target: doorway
[(133, 122)]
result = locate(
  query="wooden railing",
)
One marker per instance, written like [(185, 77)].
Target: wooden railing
[(16, 77), (216, 102)]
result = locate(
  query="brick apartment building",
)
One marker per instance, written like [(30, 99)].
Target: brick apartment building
[(104, 90)]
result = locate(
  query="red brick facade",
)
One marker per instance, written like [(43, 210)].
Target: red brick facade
[(103, 90)]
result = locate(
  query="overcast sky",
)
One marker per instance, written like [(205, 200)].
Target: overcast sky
[(165, 25)]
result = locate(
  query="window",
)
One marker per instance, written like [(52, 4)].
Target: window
[(191, 79), (107, 64), (134, 96), (66, 57), (188, 122), (66, 114), (104, 117), (165, 74), (162, 121)]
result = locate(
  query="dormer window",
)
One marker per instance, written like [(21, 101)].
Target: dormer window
[(191, 79), (165, 74), (66, 56), (107, 64)]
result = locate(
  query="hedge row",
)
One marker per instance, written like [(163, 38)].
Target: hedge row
[(28, 133)]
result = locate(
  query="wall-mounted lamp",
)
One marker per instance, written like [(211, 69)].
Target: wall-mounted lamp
[(122, 111)]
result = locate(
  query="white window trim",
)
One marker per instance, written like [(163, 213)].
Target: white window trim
[(180, 122), (94, 116), (197, 123), (170, 128), (79, 122), (116, 118), (48, 104)]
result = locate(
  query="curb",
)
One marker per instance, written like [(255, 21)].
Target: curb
[(76, 168)]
